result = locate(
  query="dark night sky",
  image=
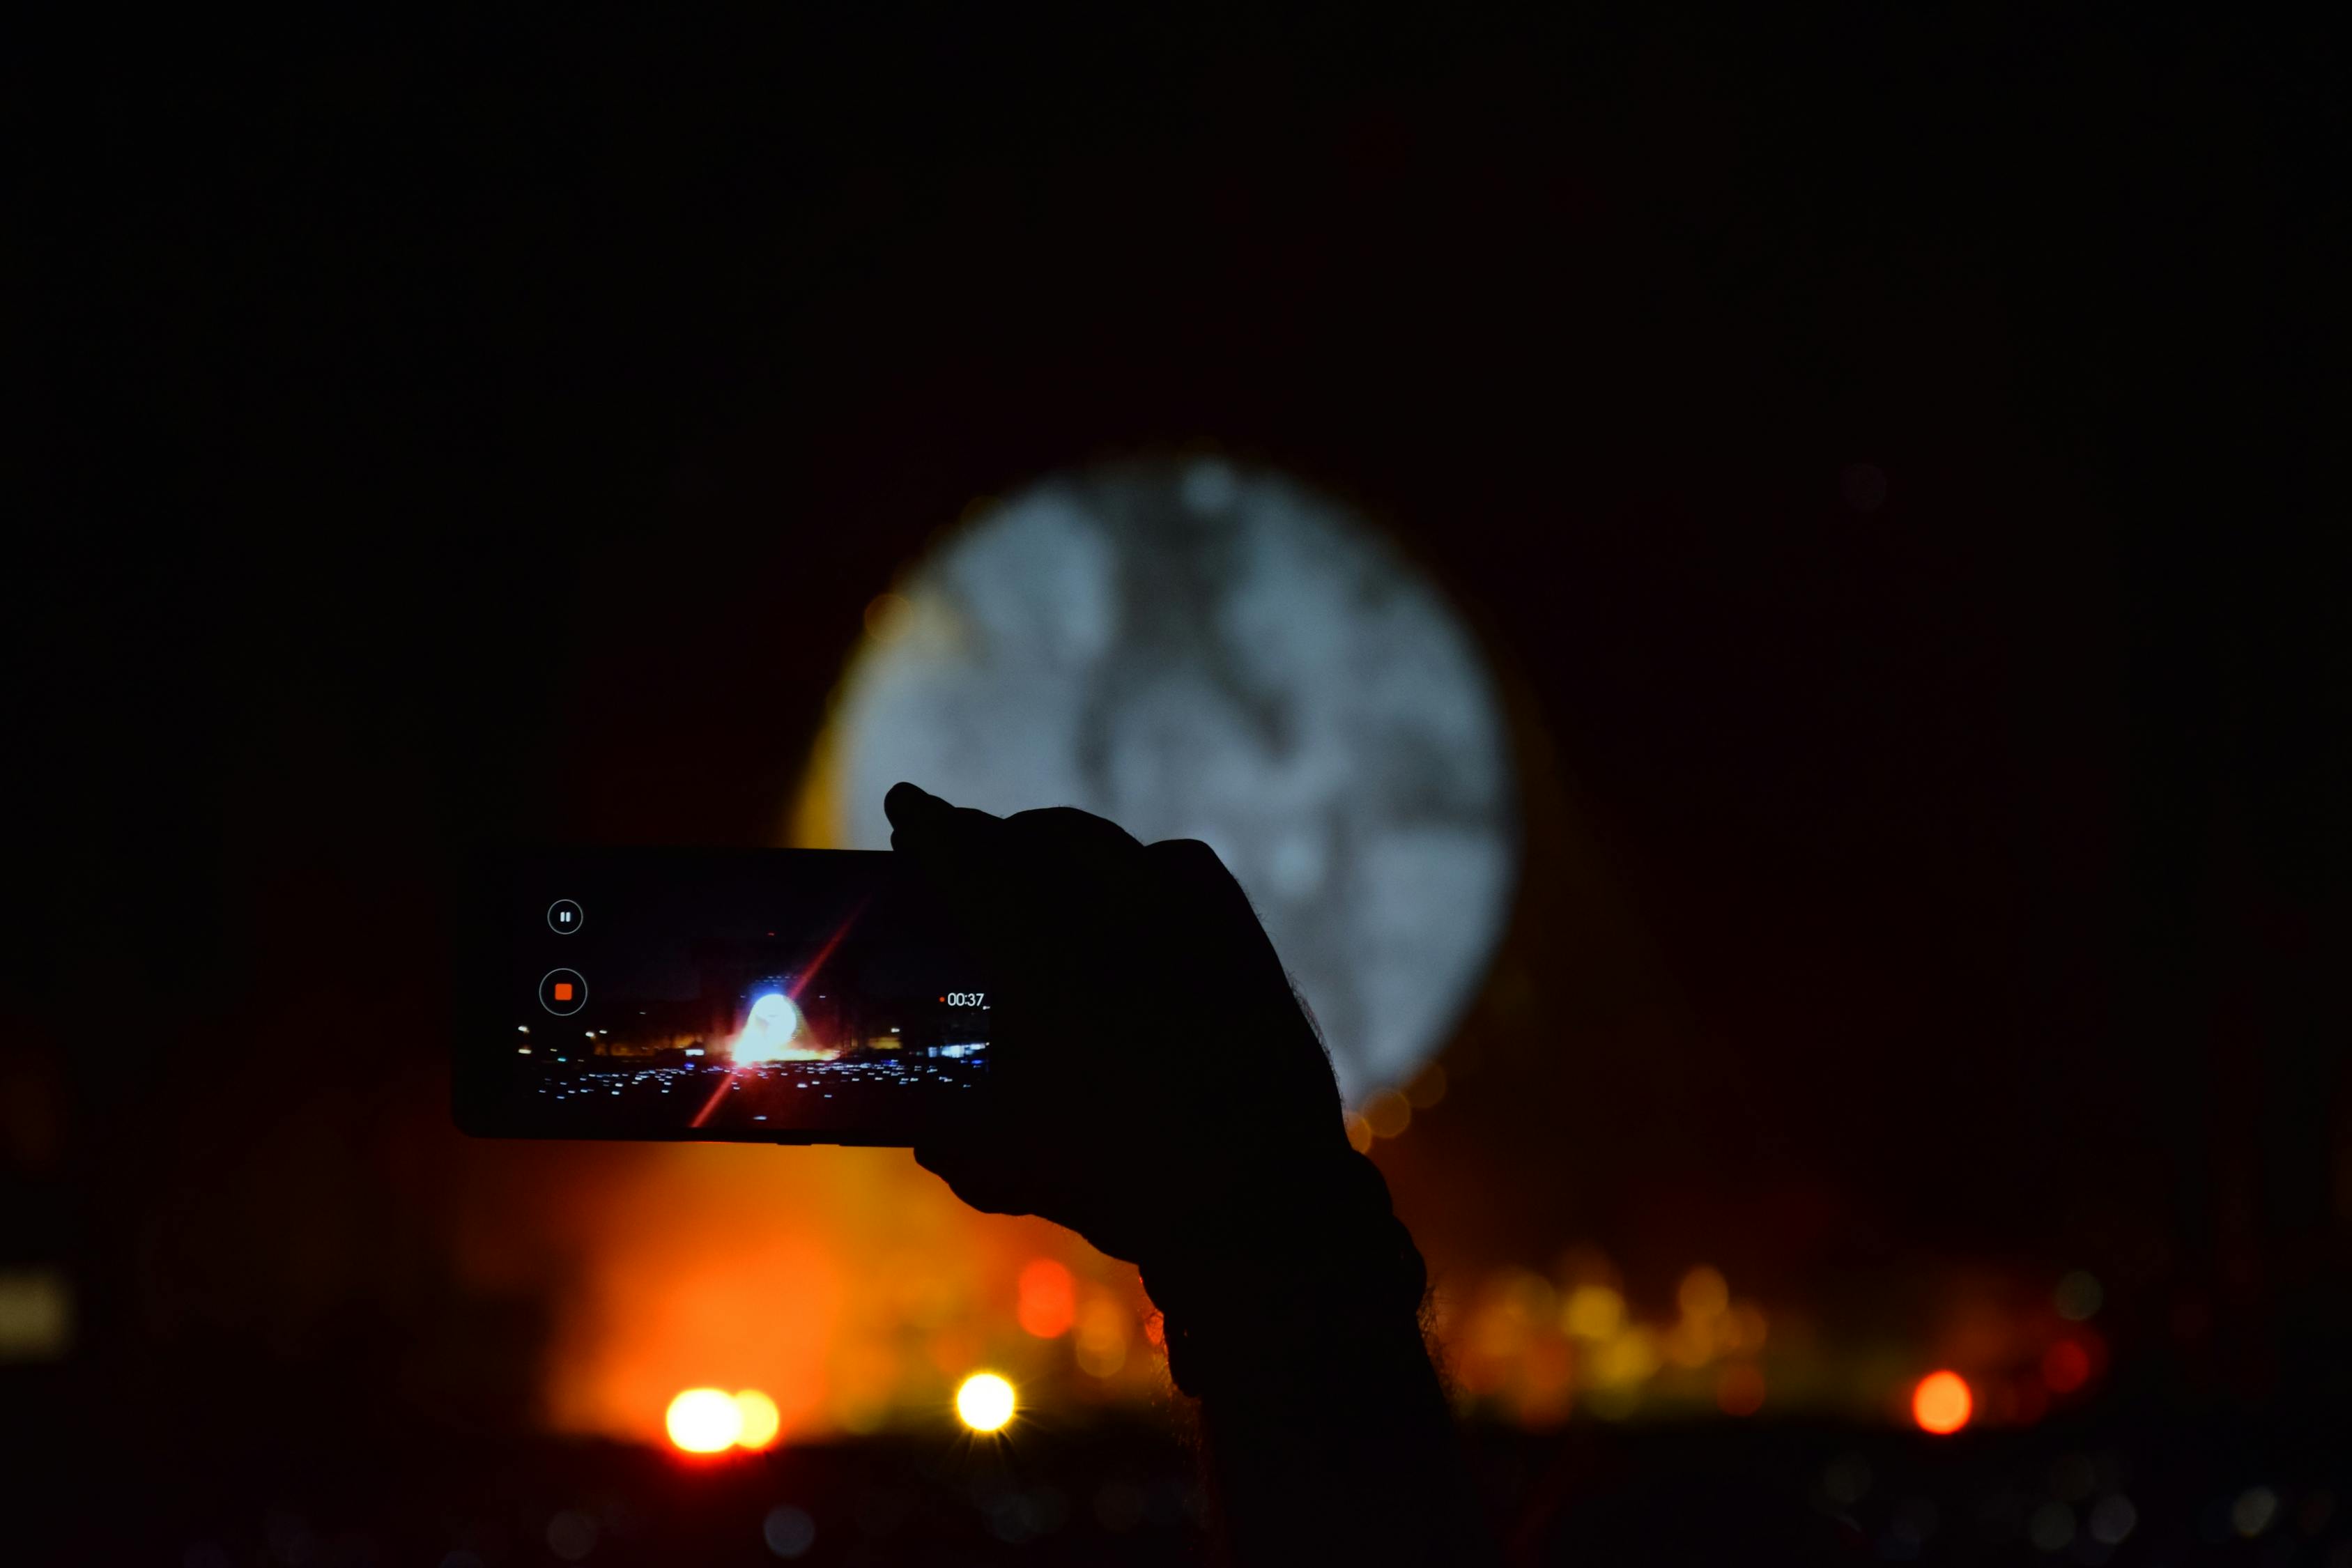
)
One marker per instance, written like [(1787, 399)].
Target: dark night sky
[(419, 417)]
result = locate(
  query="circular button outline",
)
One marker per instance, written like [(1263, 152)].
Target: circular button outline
[(578, 978), (579, 921)]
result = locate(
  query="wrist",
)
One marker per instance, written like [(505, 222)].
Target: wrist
[(1312, 1269)]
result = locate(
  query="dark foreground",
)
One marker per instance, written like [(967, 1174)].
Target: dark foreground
[(2130, 1482)]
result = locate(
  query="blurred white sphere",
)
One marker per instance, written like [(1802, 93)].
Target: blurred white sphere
[(1201, 651)]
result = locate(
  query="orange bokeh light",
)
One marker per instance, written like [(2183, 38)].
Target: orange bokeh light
[(1049, 1299), (705, 1421), (1942, 1404)]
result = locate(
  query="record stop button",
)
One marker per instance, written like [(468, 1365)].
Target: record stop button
[(563, 992), (564, 917)]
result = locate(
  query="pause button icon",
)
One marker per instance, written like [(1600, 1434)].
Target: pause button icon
[(564, 917)]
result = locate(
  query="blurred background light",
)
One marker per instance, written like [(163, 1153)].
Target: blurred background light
[(1198, 649), (1941, 1402), (984, 1402), (788, 1530), (2079, 1296), (758, 1420), (1048, 1298), (704, 1421), (36, 1315)]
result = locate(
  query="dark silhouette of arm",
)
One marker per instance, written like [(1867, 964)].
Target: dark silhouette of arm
[(1157, 1087)]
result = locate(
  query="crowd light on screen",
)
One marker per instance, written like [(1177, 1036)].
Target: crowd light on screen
[(1941, 1402), (985, 1402), (705, 1421)]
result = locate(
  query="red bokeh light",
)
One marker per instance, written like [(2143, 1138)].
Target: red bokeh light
[(2065, 1367), (1740, 1390), (1049, 1299)]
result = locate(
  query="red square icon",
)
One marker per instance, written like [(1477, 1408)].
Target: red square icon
[(563, 990)]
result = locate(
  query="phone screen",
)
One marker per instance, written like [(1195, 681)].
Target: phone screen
[(782, 995)]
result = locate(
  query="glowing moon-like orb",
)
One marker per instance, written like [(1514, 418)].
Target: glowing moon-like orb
[(1199, 650), (767, 1034)]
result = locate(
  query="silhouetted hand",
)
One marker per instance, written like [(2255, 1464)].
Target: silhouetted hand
[(1156, 1086), (1154, 1078)]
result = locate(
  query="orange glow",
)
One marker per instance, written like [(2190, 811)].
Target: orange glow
[(2065, 1367), (759, 1420), (704, 1421), (1941, 1404), (848, 1285), (1049, 1299)]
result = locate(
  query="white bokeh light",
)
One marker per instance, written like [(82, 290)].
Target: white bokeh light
[(1198, 650)]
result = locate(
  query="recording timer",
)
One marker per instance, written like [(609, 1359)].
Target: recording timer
[(966, 998)]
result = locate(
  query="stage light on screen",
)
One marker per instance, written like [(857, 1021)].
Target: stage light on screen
[(1941, 1402), (705, 1421), (757, 1419), (768, 1032), (985, 1402)]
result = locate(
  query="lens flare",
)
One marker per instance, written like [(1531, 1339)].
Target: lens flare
[(985, 1402), (759, 1420), (705, 1421), (1942, 1402)]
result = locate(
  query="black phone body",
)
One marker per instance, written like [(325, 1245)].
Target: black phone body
[(738, 995)]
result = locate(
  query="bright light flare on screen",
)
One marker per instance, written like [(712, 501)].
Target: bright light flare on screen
[(705, 1421), (768, 1034), (985, 1402), (1942, 1402)]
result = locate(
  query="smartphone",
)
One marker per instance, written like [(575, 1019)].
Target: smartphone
[(763, 996)]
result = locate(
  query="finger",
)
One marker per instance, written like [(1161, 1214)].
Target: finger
[(963, 853), (984, 1177)]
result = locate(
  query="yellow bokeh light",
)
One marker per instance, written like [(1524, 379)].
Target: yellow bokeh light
[(1103, 1330), (1389, 1114), (985, 1402), (1703, 1294), (705, 1421), (1627, 1359), (760, 1420), (1593, 1312)]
